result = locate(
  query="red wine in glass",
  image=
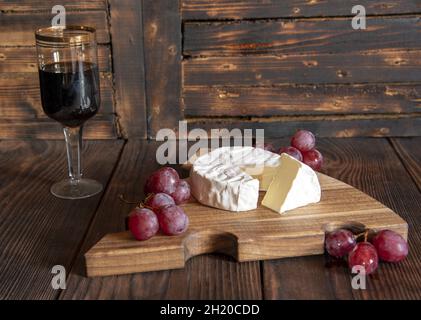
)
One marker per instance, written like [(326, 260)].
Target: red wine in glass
[(70, 96)]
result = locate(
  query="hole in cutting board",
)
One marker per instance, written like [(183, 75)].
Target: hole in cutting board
[(211, 241)]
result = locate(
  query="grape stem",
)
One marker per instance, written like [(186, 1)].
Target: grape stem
[(364, 233), (121, 197), (140, 204)]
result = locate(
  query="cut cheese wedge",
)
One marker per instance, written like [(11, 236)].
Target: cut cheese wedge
[(229, 178), (294, 185)]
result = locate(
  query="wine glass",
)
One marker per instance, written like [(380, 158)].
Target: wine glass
[(69, 82)]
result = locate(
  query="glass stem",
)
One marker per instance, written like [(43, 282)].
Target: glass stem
[(73, 137)]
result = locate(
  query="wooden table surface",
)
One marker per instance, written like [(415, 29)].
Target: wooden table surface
[(38, 231)]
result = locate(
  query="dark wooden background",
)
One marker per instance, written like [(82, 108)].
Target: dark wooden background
[(273, 64)]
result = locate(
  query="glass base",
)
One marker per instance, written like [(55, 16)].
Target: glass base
[(82, 189)]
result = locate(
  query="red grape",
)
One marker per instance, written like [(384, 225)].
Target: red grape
[(313, 159), (303, 140), (293, 152), (163, 180), (265, 146), (182, 192), (172, 220), (159, 200), (340, 242), (143, 223), (390, 246), (364, 254)]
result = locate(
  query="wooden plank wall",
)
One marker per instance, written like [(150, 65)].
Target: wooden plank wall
[(273, 64), (280, 65)]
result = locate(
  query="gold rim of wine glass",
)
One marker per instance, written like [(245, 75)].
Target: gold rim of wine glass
[(70, 34)]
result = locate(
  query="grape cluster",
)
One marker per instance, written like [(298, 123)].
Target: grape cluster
[(304, 142), (160, 210), (302, 148), (386, 245)]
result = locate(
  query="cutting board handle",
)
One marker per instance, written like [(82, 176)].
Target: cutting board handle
[(210, 241)]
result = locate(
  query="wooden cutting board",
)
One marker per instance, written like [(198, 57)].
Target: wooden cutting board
[(253, 235)]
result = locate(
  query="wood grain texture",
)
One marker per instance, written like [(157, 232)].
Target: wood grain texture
[(372, 165), (24, 59), (300, 36), (383, 66), (37, 230), (244, 62), (259, 234), (28, 105), (205, 277), (129, 69), (249, 9), (325, 126), (162, 43), (46, 5), (306, 278), (23, 25), (300, 100), (99, 127), (409, 151)]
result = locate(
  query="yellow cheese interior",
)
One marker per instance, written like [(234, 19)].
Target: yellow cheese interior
[(281, 184)]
